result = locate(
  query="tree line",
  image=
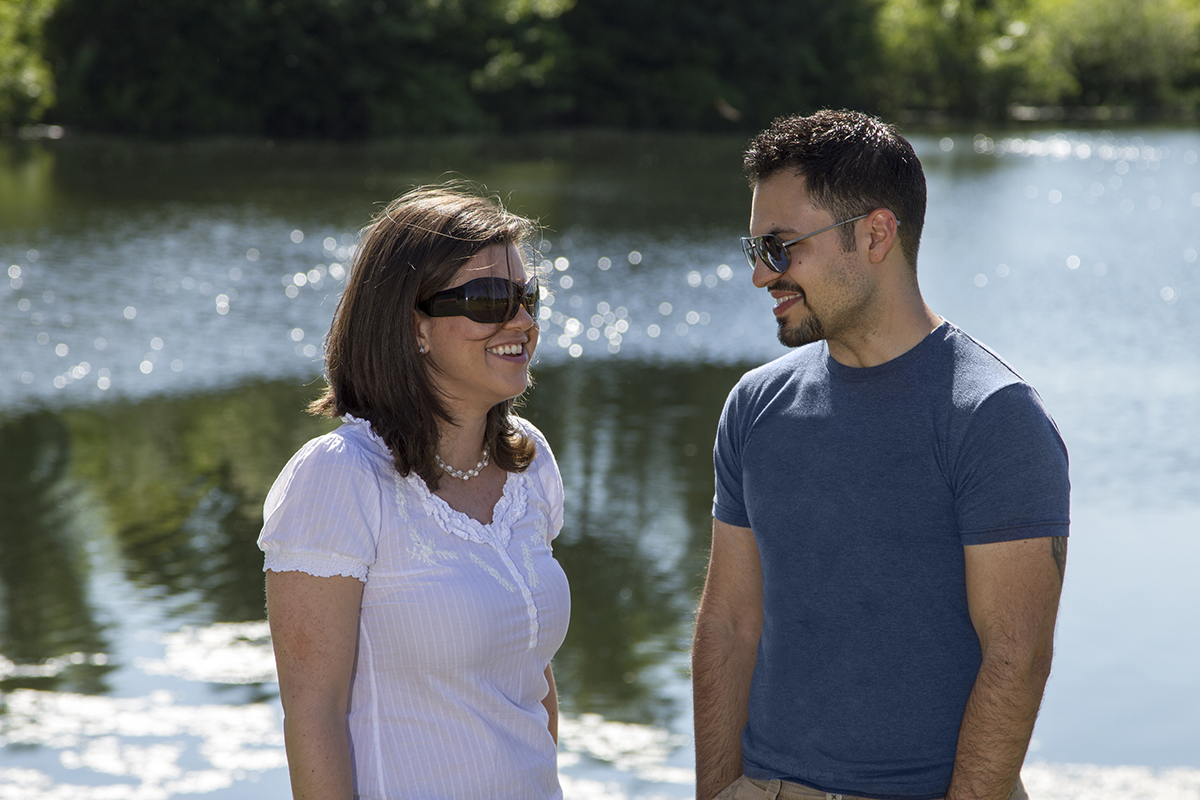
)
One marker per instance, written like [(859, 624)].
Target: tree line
[(370, 68)]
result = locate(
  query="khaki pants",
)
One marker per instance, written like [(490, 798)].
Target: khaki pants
[(749, 789)]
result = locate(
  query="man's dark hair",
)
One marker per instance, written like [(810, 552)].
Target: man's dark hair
[(852, 163)]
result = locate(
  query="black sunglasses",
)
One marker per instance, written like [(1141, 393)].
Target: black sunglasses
[(488, 300), (773, 250)]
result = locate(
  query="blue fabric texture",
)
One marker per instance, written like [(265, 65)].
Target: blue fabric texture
[(862, 486)]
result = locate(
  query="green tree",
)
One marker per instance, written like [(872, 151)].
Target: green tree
[(524, 50), (1140, 53), (369, 68), (960, 57), (26, 83), (713, 64), (325, 68)]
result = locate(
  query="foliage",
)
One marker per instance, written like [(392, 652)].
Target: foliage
[(968, 59), (26, 84), (334, 68), (355, 67), (1140, 53), (369, 68), (712, 64), (975, 58)]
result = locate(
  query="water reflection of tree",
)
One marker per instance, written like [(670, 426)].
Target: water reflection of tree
[(634, 444), (45, 612), (184, 480)]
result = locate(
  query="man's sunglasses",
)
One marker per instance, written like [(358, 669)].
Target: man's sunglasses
[(491, 300), (773, 250)]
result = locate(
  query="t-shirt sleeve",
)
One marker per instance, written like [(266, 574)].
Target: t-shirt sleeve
[(549, 479), (1012, 480), (324, 512), (729, 501)]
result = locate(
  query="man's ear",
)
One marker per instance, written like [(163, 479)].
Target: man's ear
[(881, 227)]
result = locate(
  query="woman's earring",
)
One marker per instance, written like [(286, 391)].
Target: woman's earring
[(421, 349)]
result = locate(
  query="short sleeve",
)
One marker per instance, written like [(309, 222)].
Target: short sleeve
[(1012, 481), (324, 512), (549, 479), (729, 500)]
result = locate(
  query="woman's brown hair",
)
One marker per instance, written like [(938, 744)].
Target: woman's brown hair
[(412, 249)]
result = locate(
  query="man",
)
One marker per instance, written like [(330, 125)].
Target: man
[(891, 508)]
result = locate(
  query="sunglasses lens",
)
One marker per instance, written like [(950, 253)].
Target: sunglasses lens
[(531, 297), (773, 253), (495, 300), (769, 248), (750, 250), (488, 300)]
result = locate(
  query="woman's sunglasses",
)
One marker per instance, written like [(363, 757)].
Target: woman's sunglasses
[(489, 300), (773, 250)]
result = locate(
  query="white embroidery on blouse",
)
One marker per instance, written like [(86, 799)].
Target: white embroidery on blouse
[(529, 568), (526, 585), (543, 526), (425, 550), (401, 498), (509, 510), (489, 569)]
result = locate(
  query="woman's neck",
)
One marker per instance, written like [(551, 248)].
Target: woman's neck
[(461, 445)]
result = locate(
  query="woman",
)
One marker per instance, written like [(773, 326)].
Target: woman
[(413, 598)]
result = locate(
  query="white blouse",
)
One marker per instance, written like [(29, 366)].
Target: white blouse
[(458, 620)]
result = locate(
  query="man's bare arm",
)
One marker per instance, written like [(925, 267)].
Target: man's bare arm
[(1013, 589), (724, 651), (1058, 548)]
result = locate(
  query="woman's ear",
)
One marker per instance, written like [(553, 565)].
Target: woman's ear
[(422, 325)]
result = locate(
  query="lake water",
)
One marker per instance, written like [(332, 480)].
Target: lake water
[(161, 316)]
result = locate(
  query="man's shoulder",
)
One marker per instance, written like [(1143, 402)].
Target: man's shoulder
[(986, 391), (791, 366), (976, 368)]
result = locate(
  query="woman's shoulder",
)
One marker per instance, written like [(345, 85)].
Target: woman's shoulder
[(530, 430), (324, 513), (545, 474), (347, 453), (544, 457)]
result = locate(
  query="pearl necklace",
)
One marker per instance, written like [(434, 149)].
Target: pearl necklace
[(462, 475)]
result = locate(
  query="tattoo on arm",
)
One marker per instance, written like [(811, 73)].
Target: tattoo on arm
[(1058, 547)]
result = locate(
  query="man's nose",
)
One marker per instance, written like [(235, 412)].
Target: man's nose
[(763, 275)]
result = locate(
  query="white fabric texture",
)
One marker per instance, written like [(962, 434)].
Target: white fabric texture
[(458, 619)]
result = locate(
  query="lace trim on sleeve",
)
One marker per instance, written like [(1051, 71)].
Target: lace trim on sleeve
[(315, 565)]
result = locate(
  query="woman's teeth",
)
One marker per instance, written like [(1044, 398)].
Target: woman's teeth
[(507, 349)]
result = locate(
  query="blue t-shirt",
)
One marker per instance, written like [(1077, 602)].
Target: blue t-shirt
[(862, 486)]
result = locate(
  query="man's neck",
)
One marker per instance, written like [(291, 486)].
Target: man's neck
[(896, 330)]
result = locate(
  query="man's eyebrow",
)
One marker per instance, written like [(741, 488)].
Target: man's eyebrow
[(786, 233), (778, 230)]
